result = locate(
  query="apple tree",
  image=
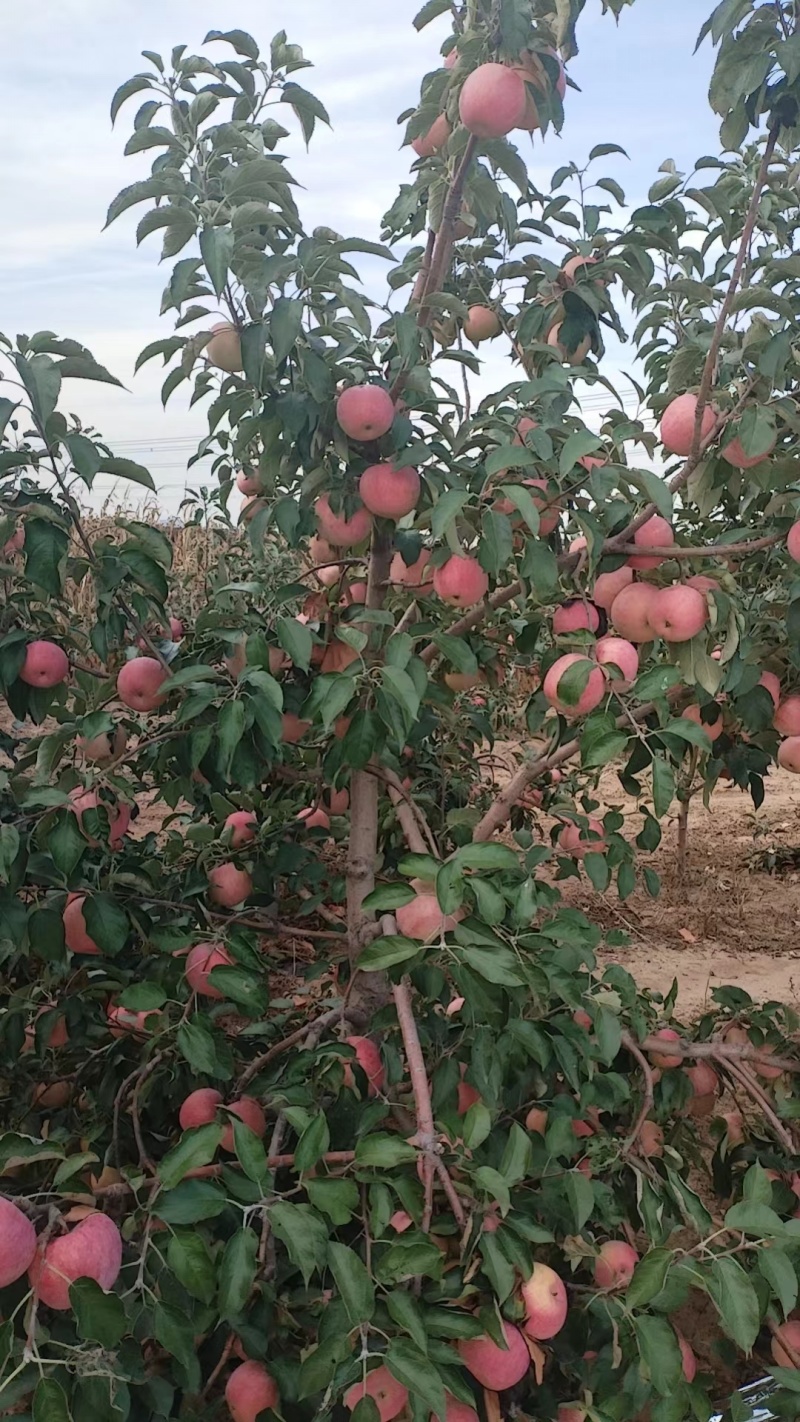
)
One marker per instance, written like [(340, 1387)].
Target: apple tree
[(318, 1097)]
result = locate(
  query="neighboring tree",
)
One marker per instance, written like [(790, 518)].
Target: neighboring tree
[(448, 1166)]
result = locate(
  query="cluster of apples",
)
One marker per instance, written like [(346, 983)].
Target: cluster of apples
[(91, 1249)]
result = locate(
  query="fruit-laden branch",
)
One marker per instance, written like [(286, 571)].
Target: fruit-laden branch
[(501, 808), (723, 1051)]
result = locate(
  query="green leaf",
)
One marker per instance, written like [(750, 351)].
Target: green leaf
[(496, 547), (237, 1273), (353, 1283), (580, 1197), (751, 1217), (42, 380), (757, 430), (578, 445), (779, 1272), (304, 1233), (313, 1143), (285, 325), (409, 1365), (99, 1316), (240, 40), (406, 1312), (508, 456), (127, 90), (50, 1402), (450, 886), (649, 1277), (66, 843), (174, 1330), (296, 639), (385, 898), (338, 1199), (488, 857), (663, 786), (190, 1261), (128, 469), (496, 965), (190, 1202), (46, 547), (106, 923), (602, 150), (446, 509), (477, 1125), (387, 952), (523, 502), (216, 247), (9, 849), (431, 10), (242, 987), (736, 1301), (250, 1152), (655, 490), (86, 457), (230, 729), (7, 408), (195, 1148), (384, 1152), (601, 742), (85, 367), (307, 107), (660, 1353), (204, 1049), (401, 688), (419, 866)]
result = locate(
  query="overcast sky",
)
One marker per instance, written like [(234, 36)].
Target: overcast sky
[(60, 162)]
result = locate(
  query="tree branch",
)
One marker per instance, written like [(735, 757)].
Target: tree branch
[(647, 1101), (499, 811), (709, 369)]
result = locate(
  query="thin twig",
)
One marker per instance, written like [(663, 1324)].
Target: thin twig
[(501, 808), (326, 1020), (647, 1101), (709, 369), (748, 1082)]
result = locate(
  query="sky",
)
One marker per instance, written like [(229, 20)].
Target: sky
[(61, 163)]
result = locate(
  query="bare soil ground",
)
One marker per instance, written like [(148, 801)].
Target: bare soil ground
[(729, 921)]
